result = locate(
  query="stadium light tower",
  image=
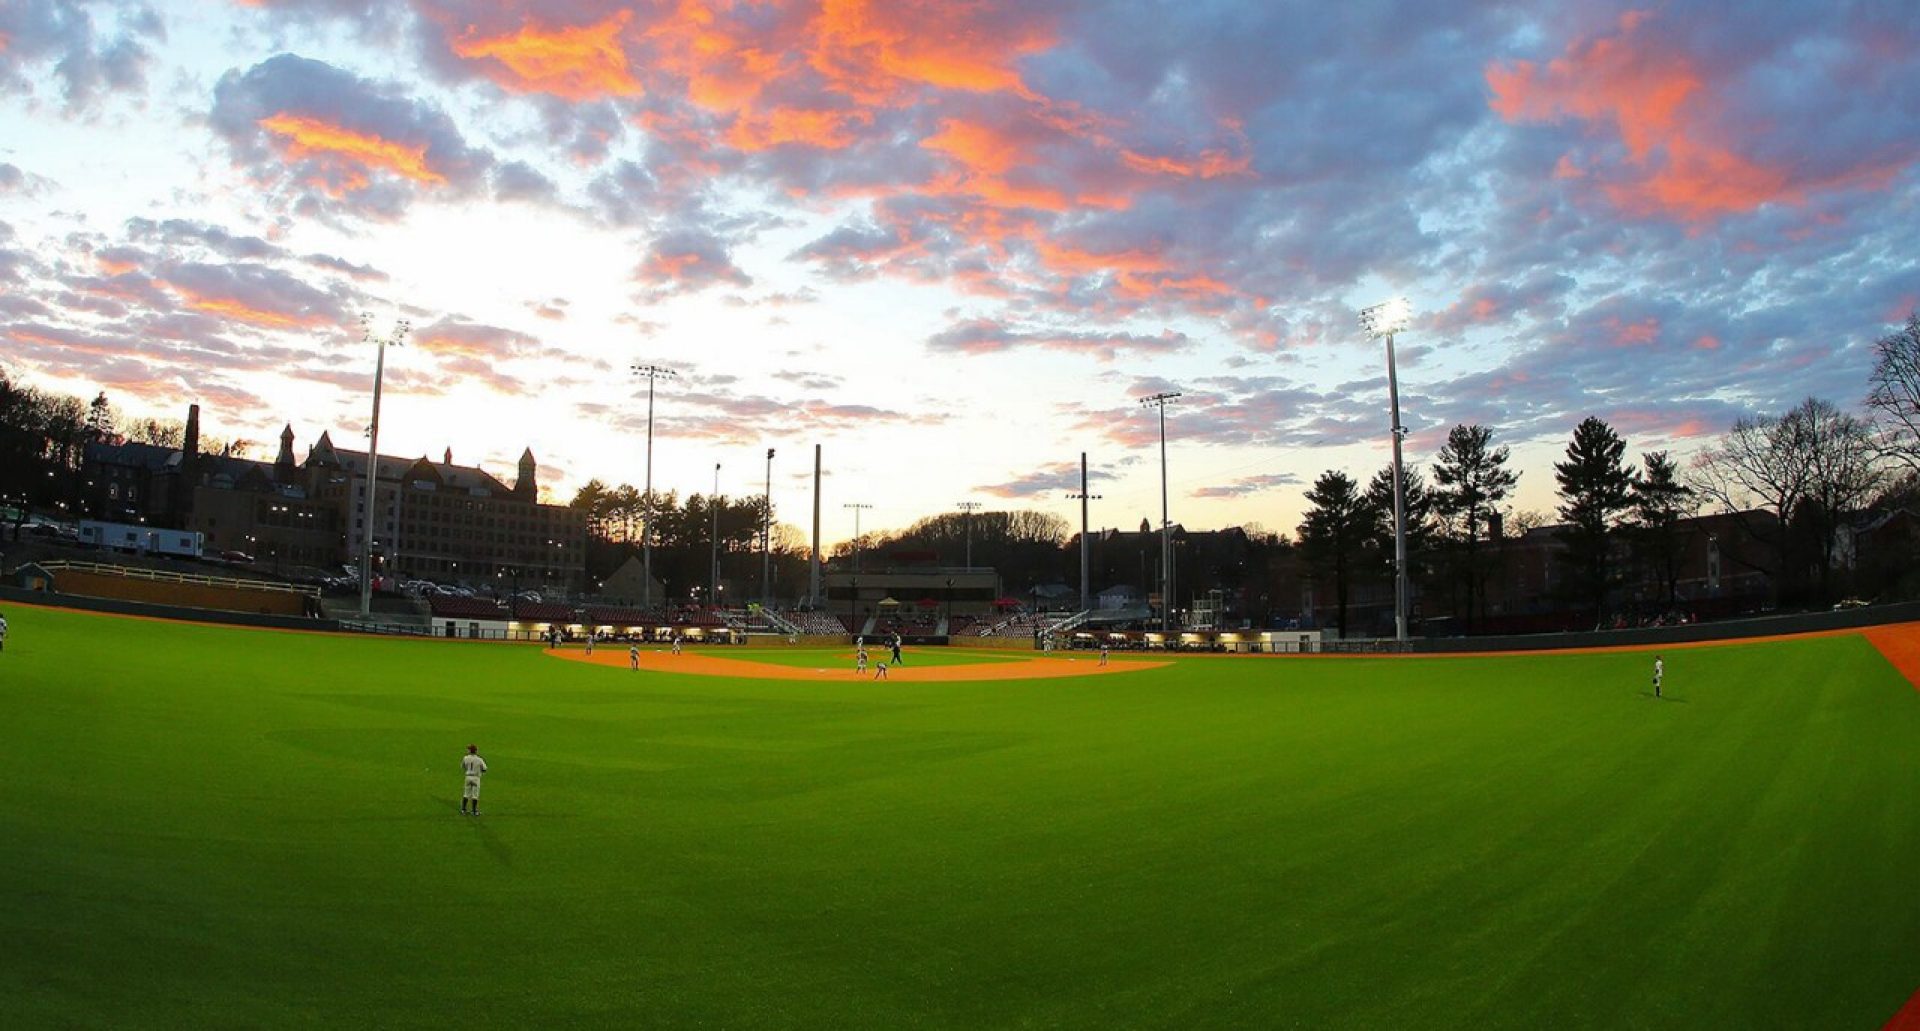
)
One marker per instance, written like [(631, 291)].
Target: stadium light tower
[(713, 542), (1161, 401), (858, 508), (766, 537), (1384, 320), (652, 373), (395, 338), (1083, 498), (969, 508)]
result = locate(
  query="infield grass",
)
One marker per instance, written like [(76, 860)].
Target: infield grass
[(208, 827)]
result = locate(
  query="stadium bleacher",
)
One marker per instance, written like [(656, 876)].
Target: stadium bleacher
[(541, 612), (455, 607), (814, 621)]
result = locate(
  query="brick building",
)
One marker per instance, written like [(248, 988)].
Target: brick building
[(432, 520)]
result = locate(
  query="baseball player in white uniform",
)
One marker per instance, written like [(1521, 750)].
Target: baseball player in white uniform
[(472, 766)]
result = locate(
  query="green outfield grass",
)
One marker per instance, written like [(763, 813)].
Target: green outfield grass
[(206, 827)]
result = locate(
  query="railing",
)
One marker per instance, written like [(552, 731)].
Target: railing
[(398, 629), (779, 622), (1076, 620), (164, 576)]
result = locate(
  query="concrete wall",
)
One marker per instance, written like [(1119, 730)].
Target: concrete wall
[(122, 607), (181, 595), (1723, 630)]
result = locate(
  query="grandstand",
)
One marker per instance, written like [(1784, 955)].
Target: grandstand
[(813, 621), (452, 606)]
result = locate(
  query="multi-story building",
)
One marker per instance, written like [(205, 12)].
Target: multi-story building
[(432, 520)]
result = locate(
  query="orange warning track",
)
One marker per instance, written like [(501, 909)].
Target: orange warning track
[(707, 665), (1900, 643)]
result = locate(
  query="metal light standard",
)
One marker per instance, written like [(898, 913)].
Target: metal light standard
[(713, 540), (968, 508), (395, 338), (1161, 401), (1084, 497), (858, 508), (766, 537), (1384, 320), (652, 373)]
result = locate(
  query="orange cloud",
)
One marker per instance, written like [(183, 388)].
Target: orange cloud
[(302, 136), (1669, 115), (828, 130), (1211, 164), (1627, 334), (583, 62), (868, 48), (226, 307)]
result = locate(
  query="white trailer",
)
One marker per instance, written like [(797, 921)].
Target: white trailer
[(140, 540)]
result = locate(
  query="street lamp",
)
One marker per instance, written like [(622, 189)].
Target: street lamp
[(858, 508), (1161, 401), (1384, 320), (652, 373), (395, 338)]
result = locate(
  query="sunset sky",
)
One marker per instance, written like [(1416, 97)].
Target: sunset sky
[(953, 242)]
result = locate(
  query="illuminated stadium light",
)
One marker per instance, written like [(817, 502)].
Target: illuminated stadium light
[(1384, 320)]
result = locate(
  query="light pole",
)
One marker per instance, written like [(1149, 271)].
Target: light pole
[(1084, 561), (1384, 320), (1161, 401), (653, 373), (713, 541), (766, 537), (968, 508), (394, 338), (858, 508)]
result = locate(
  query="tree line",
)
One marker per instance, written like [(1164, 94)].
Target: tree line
[(1796, 484)]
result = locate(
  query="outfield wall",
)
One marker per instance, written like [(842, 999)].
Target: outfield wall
[(1722, 630), (151, 610)]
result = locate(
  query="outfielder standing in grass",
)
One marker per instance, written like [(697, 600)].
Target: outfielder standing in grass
[(3, 633), (1659, 671), (633, 656), (472, 766)]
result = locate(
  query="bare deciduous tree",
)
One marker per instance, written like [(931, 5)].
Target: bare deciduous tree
[(1814, 467), (1895, 393)]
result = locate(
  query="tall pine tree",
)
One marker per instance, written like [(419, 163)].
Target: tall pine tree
[(1333, 534), (1471, 479), (1596, 492)]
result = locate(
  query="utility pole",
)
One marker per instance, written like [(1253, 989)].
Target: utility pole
[(857, 509), (1161, 401), (969, 508), (1084, 497), (398, 336), (652, 373)]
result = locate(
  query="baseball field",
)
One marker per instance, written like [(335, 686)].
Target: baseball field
[(214, 827)]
